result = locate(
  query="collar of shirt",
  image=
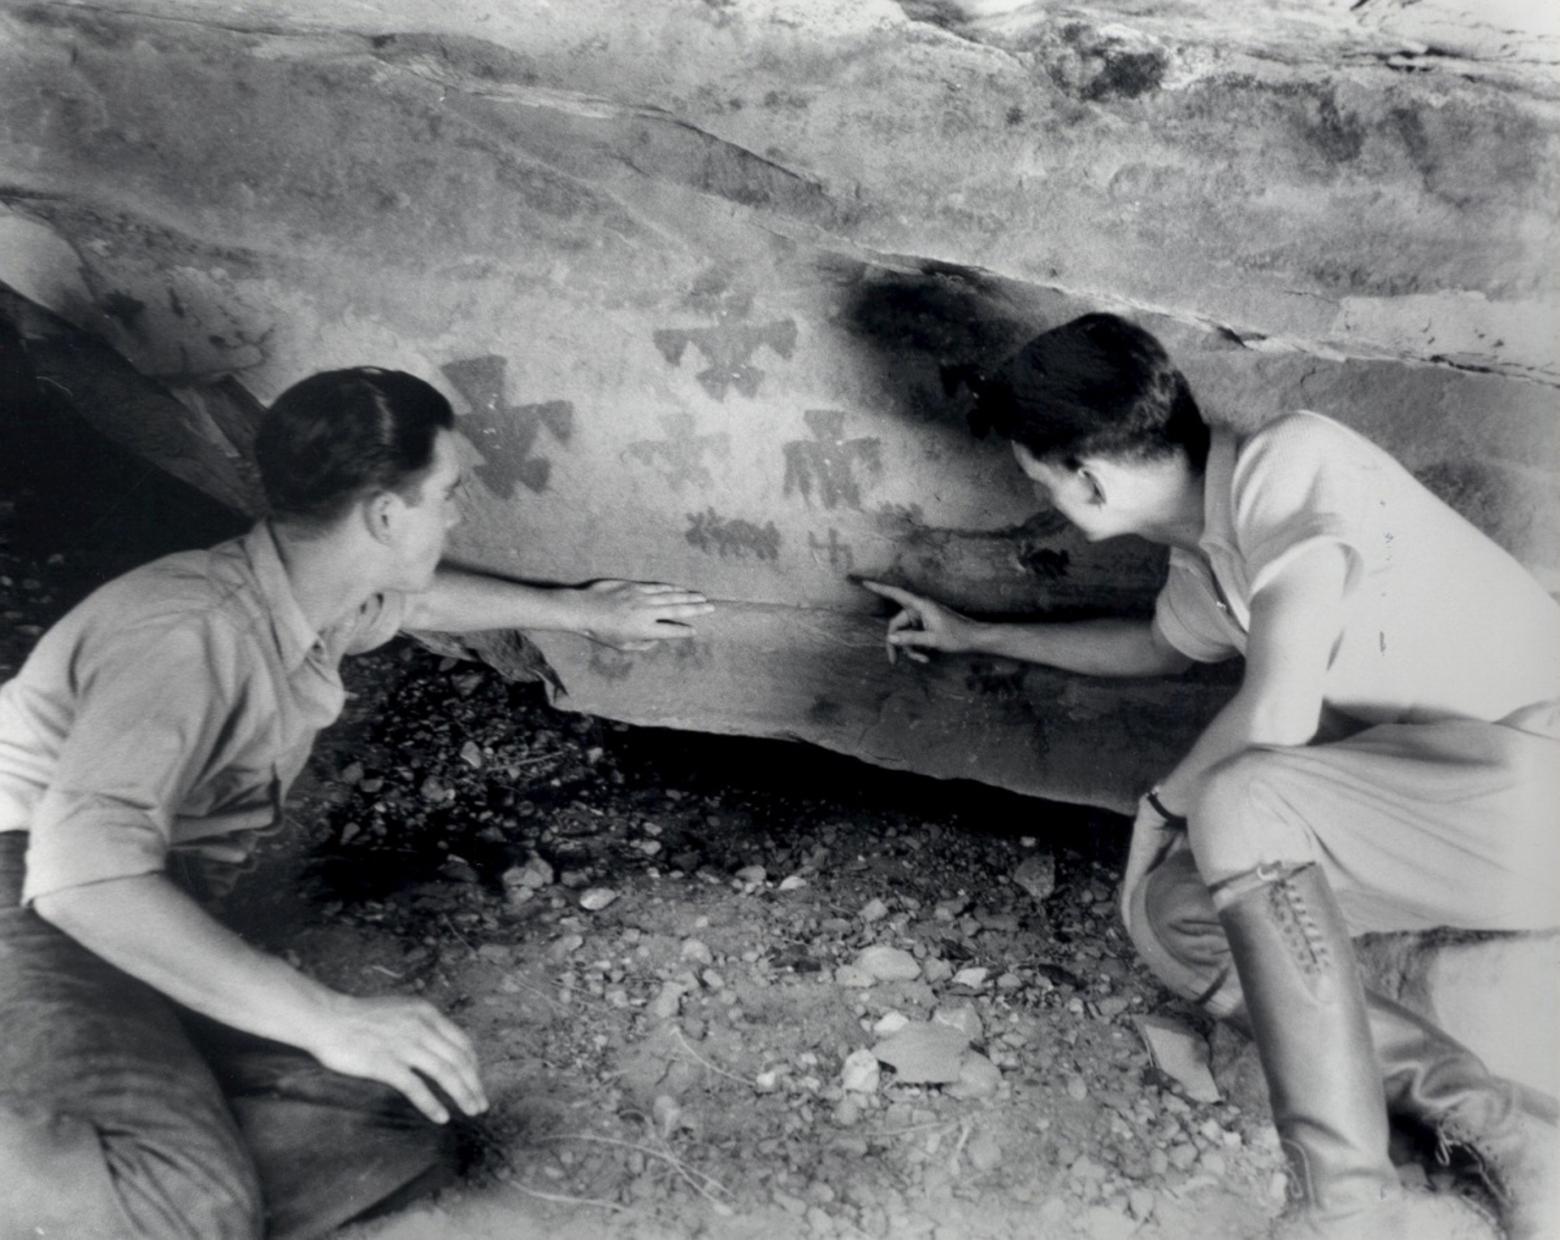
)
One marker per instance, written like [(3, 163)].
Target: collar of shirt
[(295, 640), (1218, 536), (1220, 557)]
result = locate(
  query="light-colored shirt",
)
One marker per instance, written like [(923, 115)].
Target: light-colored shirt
[(168, 713), (1441, 622)]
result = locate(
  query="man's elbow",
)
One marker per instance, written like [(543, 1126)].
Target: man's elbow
[(61, 909), (75, 911), (1286, 725)]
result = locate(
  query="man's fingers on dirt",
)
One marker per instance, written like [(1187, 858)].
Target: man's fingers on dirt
[(399, 1076), (456, 1077)]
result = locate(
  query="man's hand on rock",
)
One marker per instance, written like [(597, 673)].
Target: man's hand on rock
[(636, 615)]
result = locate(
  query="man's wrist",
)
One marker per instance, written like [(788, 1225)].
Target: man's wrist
[(978, 637), (1155, 799)]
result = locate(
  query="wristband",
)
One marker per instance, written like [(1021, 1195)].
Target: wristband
[(1171, 820)]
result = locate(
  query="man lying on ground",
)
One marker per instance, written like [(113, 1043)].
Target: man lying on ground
[(1363, 605), (160, 1078)]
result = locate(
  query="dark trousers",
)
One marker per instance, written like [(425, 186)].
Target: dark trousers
[(123, 1116)]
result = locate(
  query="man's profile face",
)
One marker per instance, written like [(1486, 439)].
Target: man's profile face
[(423, 521)]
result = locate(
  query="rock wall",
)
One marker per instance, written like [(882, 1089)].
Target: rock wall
[(691, 271)]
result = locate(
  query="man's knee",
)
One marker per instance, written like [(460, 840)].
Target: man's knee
[(1249, 812), (64, 1179)]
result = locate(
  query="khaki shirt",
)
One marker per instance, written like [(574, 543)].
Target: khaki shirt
[(1440, 621), (168, 713)]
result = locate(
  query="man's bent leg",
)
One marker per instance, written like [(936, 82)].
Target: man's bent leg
[(111, 1125), (1351, 806), (328, 1148)]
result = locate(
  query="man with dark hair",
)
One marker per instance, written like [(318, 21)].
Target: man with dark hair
[(160, 1078), (1359, 599)]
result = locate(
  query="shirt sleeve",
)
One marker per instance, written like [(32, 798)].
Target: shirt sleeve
[(152, 707), (376, 622), (1298, 482), (1188, 617)]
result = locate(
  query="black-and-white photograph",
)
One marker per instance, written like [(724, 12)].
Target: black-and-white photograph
[(780, 620)]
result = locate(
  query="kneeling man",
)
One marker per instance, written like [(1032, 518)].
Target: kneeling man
[(160, 1078), (1391, 760)]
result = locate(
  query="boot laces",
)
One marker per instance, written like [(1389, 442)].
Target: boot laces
[(1450, 1135)]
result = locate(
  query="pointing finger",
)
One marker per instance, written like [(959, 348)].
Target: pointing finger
[(903, 597)]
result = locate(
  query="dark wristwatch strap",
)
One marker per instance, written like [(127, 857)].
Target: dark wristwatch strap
[(1171, 820)]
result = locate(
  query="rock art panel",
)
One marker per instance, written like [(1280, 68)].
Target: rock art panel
[(829, 465), (703, 317), (681, 456), (505, 434)]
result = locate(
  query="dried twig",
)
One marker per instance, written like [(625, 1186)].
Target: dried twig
[(712, 1067), (459, 936), (509, 1178), (663, 1154)]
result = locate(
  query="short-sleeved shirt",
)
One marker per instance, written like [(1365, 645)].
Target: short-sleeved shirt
[(169, 712), (1441, 622)]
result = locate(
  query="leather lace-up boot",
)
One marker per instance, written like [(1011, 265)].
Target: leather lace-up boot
[(1308, 1016)]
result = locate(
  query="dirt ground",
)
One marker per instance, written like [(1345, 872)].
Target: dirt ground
[(676, 952)]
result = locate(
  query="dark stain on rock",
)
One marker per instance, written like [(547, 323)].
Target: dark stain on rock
[(1410, 127), (1126, 75), (174, 304), (826, 712), (1095, 66), (1050, 563), (124, 309), (829, 464), (717, 535), (503, 433), (907, 326), (1476, 491), (1338, 134), (610, 664), (1002, 681)]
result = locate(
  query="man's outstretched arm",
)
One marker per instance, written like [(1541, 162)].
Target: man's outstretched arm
[(630, 615), (1107, 647), (1296, 620)]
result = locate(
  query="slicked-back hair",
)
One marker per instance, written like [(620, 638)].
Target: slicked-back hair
[(340, 435), (1095, 386)]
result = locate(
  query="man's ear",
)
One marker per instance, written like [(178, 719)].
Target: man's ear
[(1090, 477), (379, 515)]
